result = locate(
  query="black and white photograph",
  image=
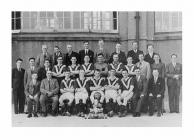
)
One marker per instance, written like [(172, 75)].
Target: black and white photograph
[(96, 68)]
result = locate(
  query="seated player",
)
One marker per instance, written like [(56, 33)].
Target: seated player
[(140, 93), (96, 87), (87, 67), (127, 86), (116, 65), (32, 91), (155, 92), (59, 70), (81, 93), (130, 66), (96, 112), (112, 86), (74, 68), (67, 97), (49, 91)]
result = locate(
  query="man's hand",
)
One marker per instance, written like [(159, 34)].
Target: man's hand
[(158, 95), (150, 94), (30, 96), (141, 95)]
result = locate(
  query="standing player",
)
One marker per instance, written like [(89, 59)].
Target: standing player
[(127, 86), (81, 93), (59, 69), (87, 67), (67, 97), (111, 91), (74, 68), (116, 65), (130, 66)]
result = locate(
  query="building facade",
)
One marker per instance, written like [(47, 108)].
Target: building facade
[(32, 29)]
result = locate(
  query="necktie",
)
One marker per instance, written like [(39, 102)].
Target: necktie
[(86, 51), (49, 84)]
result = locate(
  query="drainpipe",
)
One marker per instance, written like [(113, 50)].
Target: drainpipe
[(137, 18)]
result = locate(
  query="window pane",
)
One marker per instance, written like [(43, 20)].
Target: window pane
[(43, 23), (76, 20), (115, 24), (42, 14), (67, 24), (26, 23), (18, 23), (12, 14), (12, 24), (50, 14), (67, 14), (59, 14), (18, 14), (34, 14), (34, 23)]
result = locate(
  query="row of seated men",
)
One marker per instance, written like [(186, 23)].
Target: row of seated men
[(110, 94), (172, 72)]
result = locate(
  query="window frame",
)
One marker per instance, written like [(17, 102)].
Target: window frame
[(163, 32), (71, 24), (15, 20)]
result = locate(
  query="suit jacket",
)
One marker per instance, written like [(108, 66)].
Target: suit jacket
[(171, 71), (122, 57), (140, 86), (149, 59), (55, 56), (53, 86), (31, 89), (104, 52), (82, 55), (145, 69), (18, 79), (156, 88), (134, 55), (28, 75), (68, 56), (42, 73), (160, 67), (40, 59)]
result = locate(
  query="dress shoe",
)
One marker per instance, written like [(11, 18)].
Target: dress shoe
[(158, 114), (151, 114), (68, 114), (135, 114), (138, 114), (110, 114), (44, 114), (29, 115), (35, 115), (119, 114)]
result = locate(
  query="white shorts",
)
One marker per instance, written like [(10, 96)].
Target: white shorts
[(81, 95), (111, 94), (64, 96)]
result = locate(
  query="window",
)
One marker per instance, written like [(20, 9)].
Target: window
[(168, 21), (69, 21), (16, 20)]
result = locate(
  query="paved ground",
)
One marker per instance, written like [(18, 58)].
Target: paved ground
[(166, 120)]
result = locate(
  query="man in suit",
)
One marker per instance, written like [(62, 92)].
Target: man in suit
[(155, 93), (144, 66), (134, 53), (86, 51), (149, 57), (42, 71), (18, 87), (29, 71), (32, 91), (140, 93), (70, 53), (57, 53), (174, 79), (101, 50), (121, 54), (49, 90), (44, 55)]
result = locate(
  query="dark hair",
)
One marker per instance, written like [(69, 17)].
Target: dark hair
[(150, 45), (47, 60), (85, 42), (125, 70), (174, 55), (31, 58), (97, 70), (19, 59), (100, 54), (141, 53), (56, 47), (130, 56), (101, 39)]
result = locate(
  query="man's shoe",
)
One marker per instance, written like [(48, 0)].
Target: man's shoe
[(110, 114), (35, 115), (68, 114), (29, 115), (44, 114), (64, 114), (151, 114), (138, 114), (135, 114), (159, 114), (119, 114)]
